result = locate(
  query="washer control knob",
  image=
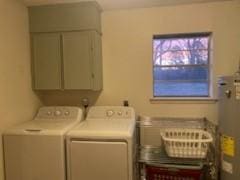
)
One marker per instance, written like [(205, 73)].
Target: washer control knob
[(49, 113), (109, 113), (66, 113), (119, 113), (57, 113)]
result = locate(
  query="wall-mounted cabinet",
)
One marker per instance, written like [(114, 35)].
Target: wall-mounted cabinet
[(65, 17), (64, 56), (67, 60)]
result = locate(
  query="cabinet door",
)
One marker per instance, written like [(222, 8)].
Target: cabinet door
[(46, 55), (77, 60), (97, 61)]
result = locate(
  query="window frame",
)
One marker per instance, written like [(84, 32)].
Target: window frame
[(208, 65)]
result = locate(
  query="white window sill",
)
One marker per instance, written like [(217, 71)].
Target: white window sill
[(183, 100)]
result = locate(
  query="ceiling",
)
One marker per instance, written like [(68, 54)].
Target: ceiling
[(122, 4)]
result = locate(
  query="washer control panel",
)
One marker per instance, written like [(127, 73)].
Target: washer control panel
[(59, 112), (116, 112), (119, 113)]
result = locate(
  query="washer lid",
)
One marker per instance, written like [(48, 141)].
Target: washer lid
[(43, 127), (50, 120), (100, 128)]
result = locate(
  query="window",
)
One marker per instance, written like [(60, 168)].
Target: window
[(181, 65)]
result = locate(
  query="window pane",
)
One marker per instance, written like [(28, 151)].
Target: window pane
[(191, 73), (173, 44), (181, 65), (180, 89), (181, 57)]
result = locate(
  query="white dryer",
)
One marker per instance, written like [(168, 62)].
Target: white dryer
[(35, 150), (103, 146)]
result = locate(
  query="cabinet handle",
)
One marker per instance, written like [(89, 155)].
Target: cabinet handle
[(228, 93)]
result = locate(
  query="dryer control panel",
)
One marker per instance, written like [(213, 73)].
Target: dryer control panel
[(59, 112), (114, 112)]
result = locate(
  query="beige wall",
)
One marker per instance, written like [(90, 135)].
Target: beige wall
[(127, 55), (17, 101), (127, 52)]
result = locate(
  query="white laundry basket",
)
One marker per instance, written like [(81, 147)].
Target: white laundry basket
[(186, 143)]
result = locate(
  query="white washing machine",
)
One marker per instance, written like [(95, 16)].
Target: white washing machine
[(35, 150), (103, 146)]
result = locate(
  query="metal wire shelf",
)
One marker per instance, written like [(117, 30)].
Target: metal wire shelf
[(153, 153), (157, 155)]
